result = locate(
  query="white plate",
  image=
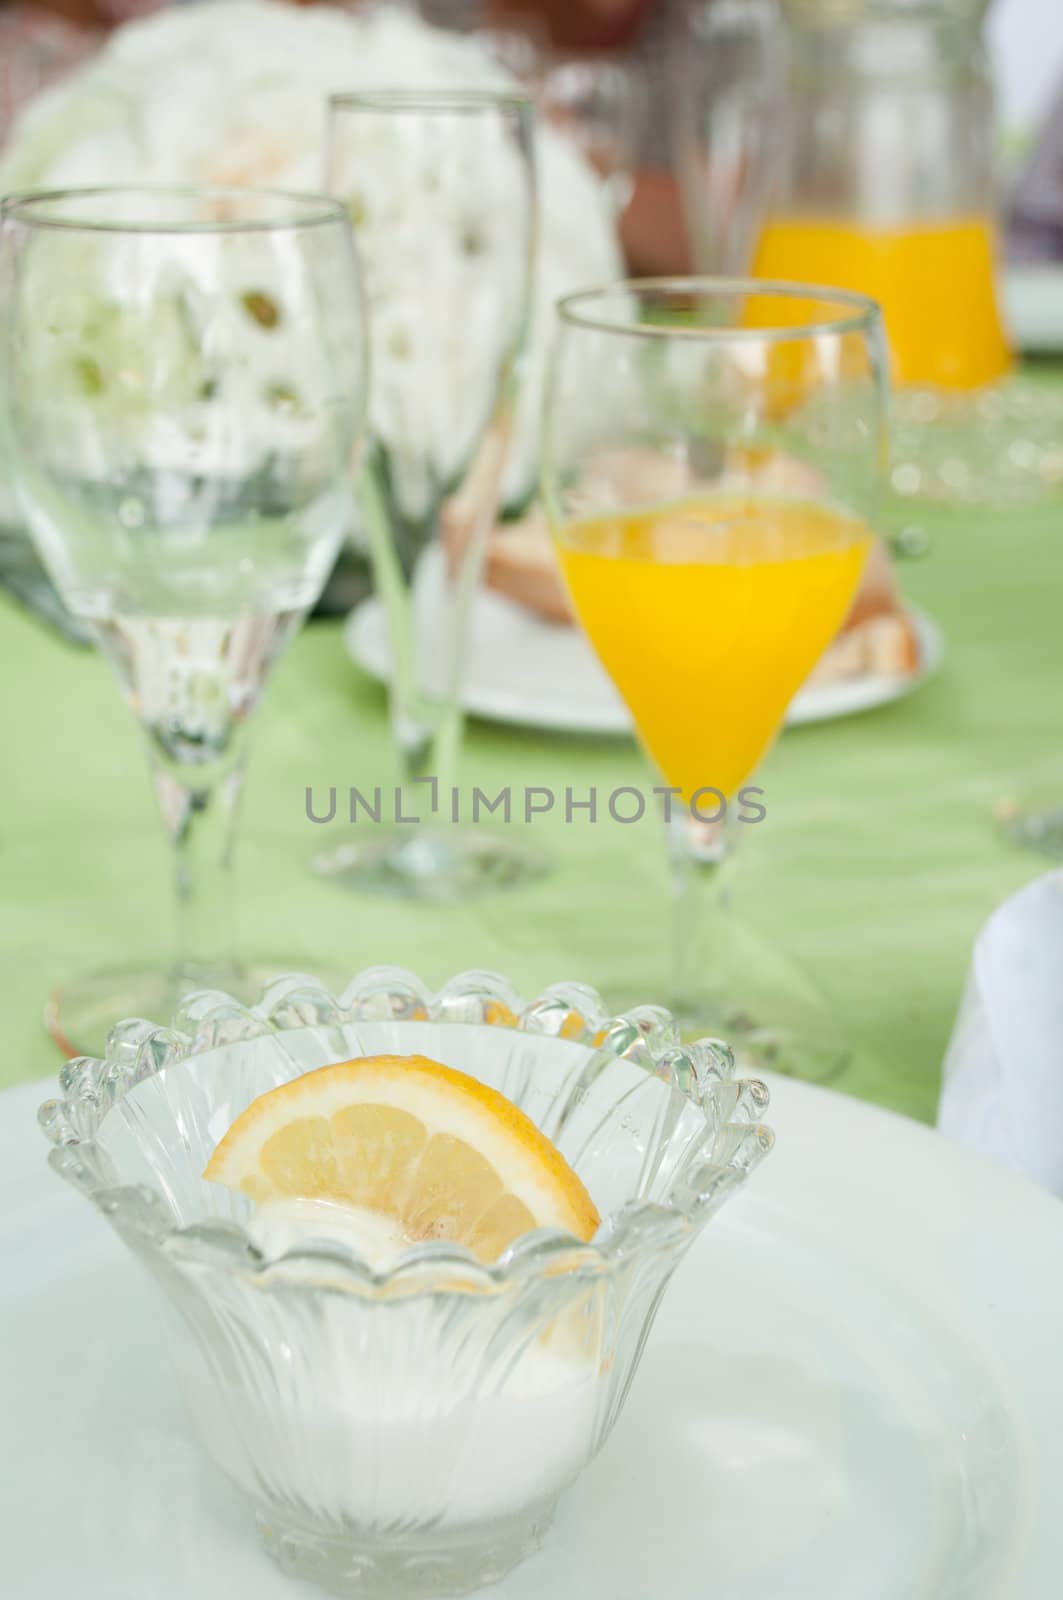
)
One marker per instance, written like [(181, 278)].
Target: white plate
[(1033, 307), (864, 1399), (536, 674)]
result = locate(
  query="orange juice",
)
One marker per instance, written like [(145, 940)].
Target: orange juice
[(708, 614), (934, 281)]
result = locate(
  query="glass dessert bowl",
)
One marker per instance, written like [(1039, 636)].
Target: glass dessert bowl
[(407, 1432)]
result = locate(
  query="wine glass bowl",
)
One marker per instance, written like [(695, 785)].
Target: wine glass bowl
[(184, 382)]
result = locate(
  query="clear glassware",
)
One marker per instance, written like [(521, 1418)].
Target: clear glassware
[(521, 49), (408, 1433), (600, 104), (441, 187), (873, 170), (35, 50), (183, 393), (729, 74), (1034, 822), (711, 516), (882, 180)]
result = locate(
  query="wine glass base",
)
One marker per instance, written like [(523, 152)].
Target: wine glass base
[(763, 1004), (808, 1046), (1038, 831), (79, 1014), (431, 864)]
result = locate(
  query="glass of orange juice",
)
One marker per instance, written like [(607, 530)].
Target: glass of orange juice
[(711, 516)]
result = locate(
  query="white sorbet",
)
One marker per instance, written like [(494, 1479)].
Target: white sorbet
[(282, 1225), (401, 1428)]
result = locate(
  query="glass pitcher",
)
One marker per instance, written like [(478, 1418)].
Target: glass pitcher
[(851, 142), (883, 178)]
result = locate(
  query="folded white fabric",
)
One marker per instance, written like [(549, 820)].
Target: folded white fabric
[(1003, 1078)]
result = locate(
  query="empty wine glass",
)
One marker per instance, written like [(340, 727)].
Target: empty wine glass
[(441, 186), (183, 394)]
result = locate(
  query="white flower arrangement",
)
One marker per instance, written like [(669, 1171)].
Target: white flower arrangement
[(235, 91)]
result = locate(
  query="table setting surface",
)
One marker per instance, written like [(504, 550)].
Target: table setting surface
[(358, 1138), (877, 863)]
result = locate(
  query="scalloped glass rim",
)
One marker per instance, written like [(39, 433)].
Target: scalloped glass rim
[(571, 1013)]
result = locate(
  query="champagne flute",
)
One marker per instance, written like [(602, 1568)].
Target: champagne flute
[(183, 399), (711, 519), (441, 187)]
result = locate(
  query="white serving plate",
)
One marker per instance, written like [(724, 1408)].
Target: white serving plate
[(867, 1402), (525, 671), (1032, 299)]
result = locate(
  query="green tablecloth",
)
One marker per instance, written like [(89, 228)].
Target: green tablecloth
[(875, 867)]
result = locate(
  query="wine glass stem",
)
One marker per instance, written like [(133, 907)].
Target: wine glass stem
[(201, 821), (427, 717), (434, 750), (412, 722), (697, 852)]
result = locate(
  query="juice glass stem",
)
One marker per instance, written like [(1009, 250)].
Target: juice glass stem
[(697, 852), (730, 983)]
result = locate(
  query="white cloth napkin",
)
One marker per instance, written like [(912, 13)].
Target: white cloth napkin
[(1003, 1079)]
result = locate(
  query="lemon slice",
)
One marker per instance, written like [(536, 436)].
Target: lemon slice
[(439, 1152)]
